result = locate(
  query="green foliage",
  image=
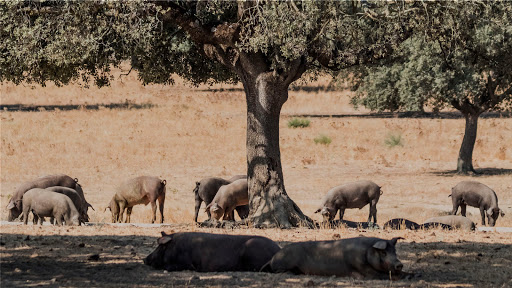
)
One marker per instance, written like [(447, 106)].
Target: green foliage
[(323, 139), (393, 140), (460, 59), (298, 123)]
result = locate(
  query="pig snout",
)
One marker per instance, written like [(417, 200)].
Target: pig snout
[(398, 266), (327, 214)]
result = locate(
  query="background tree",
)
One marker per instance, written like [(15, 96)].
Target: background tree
[(266, 45), (461, 59)]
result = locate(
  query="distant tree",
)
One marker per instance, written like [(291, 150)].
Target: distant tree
[(462, 58), (266, 45)]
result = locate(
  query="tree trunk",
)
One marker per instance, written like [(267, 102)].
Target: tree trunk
[(269, 204), (465, 161)]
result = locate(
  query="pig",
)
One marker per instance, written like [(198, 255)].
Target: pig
[(45, 203), (458, 222), (350, 224), (207, 188), (478, 195), (15, 203), (138, 190), (351, 195), (401, 223), (228, 198), (75, 197), (360, 257), (204, 252)]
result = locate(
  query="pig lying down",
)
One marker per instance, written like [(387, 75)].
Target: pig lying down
[(361, 257), (204, 252), (45, 203), (401, 223), (457, 222), (351, 195), (478, 195)]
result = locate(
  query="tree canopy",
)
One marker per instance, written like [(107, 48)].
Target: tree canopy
[(462, 60)]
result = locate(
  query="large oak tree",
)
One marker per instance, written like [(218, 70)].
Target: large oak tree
[(266, 45)]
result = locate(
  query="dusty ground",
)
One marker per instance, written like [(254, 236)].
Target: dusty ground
[(189, 133)]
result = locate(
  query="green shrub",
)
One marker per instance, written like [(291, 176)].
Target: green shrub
[(323, 139), (393, 140), (298, 123)]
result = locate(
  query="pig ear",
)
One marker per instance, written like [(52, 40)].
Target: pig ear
[(502, 213), (11, 205), (163, 182), (207, 207), (163, 240), (380, 245), (393, 241)]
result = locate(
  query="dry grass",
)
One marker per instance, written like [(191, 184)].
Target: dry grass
[(198, 132)]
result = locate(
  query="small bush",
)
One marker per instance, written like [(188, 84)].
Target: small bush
[(323, 139), (298, 123), (393, 140)]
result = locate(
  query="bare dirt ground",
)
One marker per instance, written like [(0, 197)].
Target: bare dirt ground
[(183, 134)]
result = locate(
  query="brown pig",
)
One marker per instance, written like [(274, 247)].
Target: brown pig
[(45, 203), (478, 195), (204, 252), (455, 221), (361, 257), (80, 205), (228, 198), (15, 205), (351, 195), (139, 190), (207, 188)]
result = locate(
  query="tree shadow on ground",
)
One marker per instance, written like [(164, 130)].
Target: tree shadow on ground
[(58, 260), (479, 172), (41, 108), (417, 115)]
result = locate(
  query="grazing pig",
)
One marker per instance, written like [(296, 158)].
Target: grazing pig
[(15, 203), (75, 198), (458, 222), (351, 195), (204, 252), (401, 223), (361, 257), (139, 190), (478, 195), (45, 203), (228, 198), (207, 188)]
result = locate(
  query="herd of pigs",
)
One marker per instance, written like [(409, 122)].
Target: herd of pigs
[(61, 198)]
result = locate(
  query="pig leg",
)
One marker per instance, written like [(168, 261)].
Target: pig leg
[(455, 207), (198, 206), (153, 208), (463, 210), (482, 213), (58, 219), (342, 212), (229, 213), (161, 202), (26, 209), (122, 206), (373, 211), (129, 214)]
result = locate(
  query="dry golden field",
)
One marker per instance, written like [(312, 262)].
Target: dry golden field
[(193, 132)]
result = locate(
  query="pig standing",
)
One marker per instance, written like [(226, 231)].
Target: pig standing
[(204, 252), (207, 188), (45, 203), (139, 190), (75, 198), (478, 195), (15, 205), (458, 222), (361, 257), (351, 195), (228, 198)]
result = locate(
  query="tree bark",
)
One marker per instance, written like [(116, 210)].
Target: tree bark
[(465, 161), (269, 203)]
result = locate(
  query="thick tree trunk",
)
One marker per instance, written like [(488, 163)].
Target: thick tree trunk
[(269, 204), (465, 161)]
